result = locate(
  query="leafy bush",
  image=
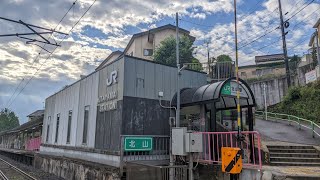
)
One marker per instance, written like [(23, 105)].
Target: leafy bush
[(302, 102)]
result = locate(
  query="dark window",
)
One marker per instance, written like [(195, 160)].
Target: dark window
[(57, 128), (69, 126), (243, 74), (85, 124), (148, 52), (254, 73), (48, 128)]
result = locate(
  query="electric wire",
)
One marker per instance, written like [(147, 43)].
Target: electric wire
[(35, 60), (70, 31)]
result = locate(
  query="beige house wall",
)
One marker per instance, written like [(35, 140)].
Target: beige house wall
[(140, 43)]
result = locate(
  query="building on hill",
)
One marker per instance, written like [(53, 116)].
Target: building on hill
[(269, 59), (38, 114), (266, 65), (143, 44)]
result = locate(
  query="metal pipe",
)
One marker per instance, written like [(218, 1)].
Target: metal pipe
[(178, 68)]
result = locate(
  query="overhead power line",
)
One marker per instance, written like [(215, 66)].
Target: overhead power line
[(42, 48), (300, 10), (70, 31)]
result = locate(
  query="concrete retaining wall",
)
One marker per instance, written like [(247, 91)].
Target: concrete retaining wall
[(276, 89), (75, 170)]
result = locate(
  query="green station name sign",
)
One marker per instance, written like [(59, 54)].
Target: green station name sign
[(138, 143)]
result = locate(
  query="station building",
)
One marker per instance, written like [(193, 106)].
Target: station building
[(86, 119)]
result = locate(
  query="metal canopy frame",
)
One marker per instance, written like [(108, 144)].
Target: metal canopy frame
[(211, 97), (211, 94), (34, 32)]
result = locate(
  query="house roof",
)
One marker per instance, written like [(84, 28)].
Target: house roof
[(37, 113), (271, 57), (317, 24), (312, 39), (168, 26), (26, 126), (107, 59)]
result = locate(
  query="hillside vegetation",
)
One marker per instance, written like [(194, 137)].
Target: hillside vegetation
[(302, 102)]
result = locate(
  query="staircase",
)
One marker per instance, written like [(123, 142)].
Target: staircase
[(294, 156)]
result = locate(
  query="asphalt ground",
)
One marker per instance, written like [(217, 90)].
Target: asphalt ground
[(282, 131)]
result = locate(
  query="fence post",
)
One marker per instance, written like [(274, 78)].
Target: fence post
[(312, 125), (121, 155), (289, 119), (299, 123)]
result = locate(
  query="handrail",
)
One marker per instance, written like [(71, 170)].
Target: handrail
[(292, 118)]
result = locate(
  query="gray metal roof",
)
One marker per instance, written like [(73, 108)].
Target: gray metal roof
[(212, 93), (37, 113)]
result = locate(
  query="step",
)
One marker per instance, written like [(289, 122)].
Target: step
[(291, 147), (294, 164), (282, 150), (294, 159), (306, 155)]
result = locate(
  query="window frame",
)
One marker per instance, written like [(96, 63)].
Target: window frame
[(57, 128), (85, 125), (69, 127), (48, 128), (147, 50)]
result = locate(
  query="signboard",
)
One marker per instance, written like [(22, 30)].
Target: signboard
[(138, 143), (108, 101), (230, 88), (311, 76)]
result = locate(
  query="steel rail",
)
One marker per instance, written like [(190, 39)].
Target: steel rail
[(3, 176), (18, 170)]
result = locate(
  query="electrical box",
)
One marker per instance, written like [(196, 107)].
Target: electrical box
[(193, 142), (178, 141)]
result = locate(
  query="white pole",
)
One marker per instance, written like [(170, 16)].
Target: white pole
[(178, 68), (265, 99)]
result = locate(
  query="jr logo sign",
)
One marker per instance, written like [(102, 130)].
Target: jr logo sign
[(112, 78)]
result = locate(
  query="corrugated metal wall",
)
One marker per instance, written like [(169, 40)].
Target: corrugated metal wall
[(88, 97), (109, 122), (138, 110), (145, 79), (74, 98)]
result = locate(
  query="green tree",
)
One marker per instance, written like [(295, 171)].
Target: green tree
[(224, 58), (166, 52), (8, 119)]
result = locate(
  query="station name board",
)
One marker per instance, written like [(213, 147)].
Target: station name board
[(109, 101)]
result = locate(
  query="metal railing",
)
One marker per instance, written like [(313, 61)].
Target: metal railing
[(291, 119), (138, 171), (160, 150), (214, 141)]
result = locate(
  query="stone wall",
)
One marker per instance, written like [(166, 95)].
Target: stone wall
[(276, 89), (74, 169)]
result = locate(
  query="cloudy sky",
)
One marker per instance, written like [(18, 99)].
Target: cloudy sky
[(28, 74)]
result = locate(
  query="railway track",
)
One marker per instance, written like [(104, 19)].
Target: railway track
[(11, 172)]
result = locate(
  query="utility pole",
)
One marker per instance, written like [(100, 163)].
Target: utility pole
[(284, 45), (178, 93), (237, 70), (178, 71), (209, 71), (318, 48), (265, 100)]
